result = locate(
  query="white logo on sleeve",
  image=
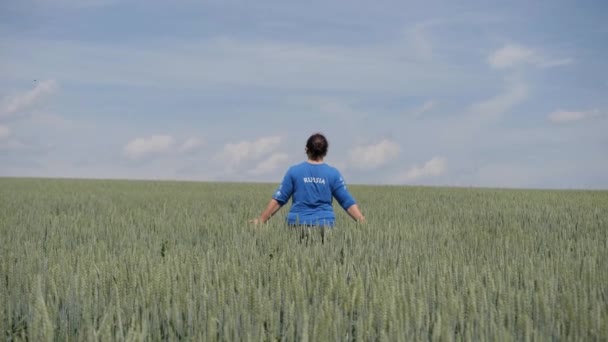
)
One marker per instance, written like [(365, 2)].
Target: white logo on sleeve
[(342, 182)]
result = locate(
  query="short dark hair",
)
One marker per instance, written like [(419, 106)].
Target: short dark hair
[(316, 146)]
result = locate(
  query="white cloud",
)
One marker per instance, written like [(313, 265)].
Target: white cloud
[(11, 144), (419, 39), (434, 167), (374, 156), (336, 107), (27, 99), (427, 106), (33, 6), (514, 55), (271, 164), (5, 132), (191, 144), (77, 3), (237, 153), (515, 92), (562, 116), (549, 63), (142, 147), (511, 55)]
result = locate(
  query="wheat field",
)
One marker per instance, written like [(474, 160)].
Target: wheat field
[(125, 260)]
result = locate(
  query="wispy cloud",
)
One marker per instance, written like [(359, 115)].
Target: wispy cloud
[(434, 167), (419, 39), (143, 147), (549, 63), (18, 104), (269, 165), (11, 145), (563, 117), (375, 155), (418, 111), (514, 93), (511, 55), (239, 62), (235, 154), (5, 132), (25, 100), (191, 144), (515, 55), (65, 4)]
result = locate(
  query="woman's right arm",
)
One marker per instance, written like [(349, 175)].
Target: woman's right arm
[(280, 197), (271, 209)]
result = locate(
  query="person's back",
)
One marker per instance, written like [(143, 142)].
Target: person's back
[(313, 187)]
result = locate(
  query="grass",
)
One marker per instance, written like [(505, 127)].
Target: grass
[(146, 260)]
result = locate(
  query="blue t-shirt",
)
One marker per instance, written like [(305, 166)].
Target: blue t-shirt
[(312, 188)]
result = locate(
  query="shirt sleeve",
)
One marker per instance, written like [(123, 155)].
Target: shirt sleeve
[(340, 192), (285, 189)]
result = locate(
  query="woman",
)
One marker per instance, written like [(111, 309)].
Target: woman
[(312, 184)]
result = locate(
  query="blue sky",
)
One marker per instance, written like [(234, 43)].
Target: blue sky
[(475, 93)]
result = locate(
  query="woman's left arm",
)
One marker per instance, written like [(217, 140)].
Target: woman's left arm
[(346, 200), (355, 213)]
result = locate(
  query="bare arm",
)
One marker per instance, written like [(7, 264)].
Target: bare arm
[(271, 209), (355, 213)]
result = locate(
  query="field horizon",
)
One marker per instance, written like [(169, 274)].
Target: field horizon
[(169, 180)]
